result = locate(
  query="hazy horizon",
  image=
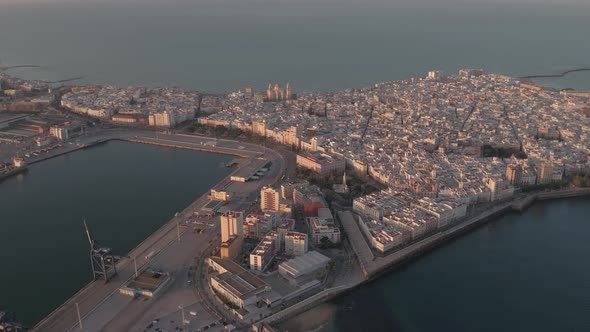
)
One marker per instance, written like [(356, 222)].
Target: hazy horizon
[(224, 45)]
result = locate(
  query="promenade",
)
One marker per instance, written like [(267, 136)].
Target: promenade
[(372, 265)]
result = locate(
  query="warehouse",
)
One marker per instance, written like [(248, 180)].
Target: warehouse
[(304, 268)]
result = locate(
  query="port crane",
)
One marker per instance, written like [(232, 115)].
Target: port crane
[(102, 260)]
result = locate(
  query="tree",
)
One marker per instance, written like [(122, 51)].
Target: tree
[(220, 130), (325, 243)]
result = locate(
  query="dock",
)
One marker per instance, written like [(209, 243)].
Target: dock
[(92, 296)]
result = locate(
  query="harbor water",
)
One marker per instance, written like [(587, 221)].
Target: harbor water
[(125, 191)]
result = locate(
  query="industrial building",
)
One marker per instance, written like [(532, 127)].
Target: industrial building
[(235, 284), (67, 130), (303, 268), (251, 171), (148, 283)]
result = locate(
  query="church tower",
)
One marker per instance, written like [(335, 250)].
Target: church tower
[(288, 91), (269, 92)]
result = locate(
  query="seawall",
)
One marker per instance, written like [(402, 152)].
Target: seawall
[(379, 266), (407, 254)]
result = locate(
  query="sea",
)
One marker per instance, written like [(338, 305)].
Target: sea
[(316, 45)]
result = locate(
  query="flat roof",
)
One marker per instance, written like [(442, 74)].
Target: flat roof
[(238, 280), (303, 264), (250, 169), (236, 269), (149, 280)]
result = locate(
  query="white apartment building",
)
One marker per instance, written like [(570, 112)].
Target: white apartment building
[(295, 243)]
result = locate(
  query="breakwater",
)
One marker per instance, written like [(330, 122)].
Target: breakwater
[(4, 68), (562, 74)]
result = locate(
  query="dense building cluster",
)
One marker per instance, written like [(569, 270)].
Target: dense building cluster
[(12, 84), (438, 143), (160, 107)]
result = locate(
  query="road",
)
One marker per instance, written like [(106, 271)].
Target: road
[(95, 298)]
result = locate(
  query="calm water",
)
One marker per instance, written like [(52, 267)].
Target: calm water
[(525, 272), (125, 191), (222, 45)]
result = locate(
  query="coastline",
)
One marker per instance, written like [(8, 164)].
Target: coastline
[(384, 265), (13, 172), (95, 291), (427, 245)]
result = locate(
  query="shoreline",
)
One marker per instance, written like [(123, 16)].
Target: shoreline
[(429, 244), (157, 241), (389, 263)]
